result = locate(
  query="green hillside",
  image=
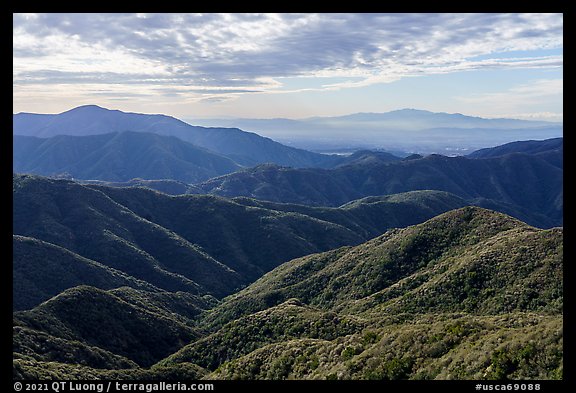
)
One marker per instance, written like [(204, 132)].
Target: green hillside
[(102, 319), (449, 291), (88, 223), (195, 243), (470, 294), (461, 252), (510, 347), (529, 182), (41, 270), (287, 321)]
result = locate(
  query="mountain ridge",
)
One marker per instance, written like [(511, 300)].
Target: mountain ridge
[(529, 181), (410, 274), (409, 130), (356, 312), (245, 148), (56, 211), (436, 116), (384, 287), (41, 270), (232, 242), (529, 147)]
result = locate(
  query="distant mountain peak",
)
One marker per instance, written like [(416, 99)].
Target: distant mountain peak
[(90, 108), (410, 110), (96, 110)]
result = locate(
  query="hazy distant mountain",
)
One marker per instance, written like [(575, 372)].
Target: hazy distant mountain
[(527, 181), (420, 119), (118, 156), (403, 119), (405, 129), (243, 147)]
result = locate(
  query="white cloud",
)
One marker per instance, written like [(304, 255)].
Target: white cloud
[(253, 51), (546, 116), (520, 101), (525, 92)]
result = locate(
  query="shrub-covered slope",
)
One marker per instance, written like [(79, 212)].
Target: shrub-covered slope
[(467, 294), (470, 294), (531, 182)]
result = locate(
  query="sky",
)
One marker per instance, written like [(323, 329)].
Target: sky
[(290, 65)]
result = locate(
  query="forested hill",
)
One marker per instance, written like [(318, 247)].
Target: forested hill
[(468, 294), (197, 243), (532, 182)]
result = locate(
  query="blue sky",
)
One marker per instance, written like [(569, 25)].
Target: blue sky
[(290, 65)]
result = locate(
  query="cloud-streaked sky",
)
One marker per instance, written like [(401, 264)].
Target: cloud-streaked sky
[(290, 65)]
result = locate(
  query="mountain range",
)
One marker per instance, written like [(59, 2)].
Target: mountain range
[(138, 152), (372, 295), (123, 157), (157, 250), (109, 237), (545, 149), (322, 187), (244, 148), (409, 130), (526, 176), (468, 294), (531, 182)]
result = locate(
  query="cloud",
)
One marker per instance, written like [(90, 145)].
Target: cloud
[(215, 99), (533, 91), (546, 116), (516, 100), (251, 52)]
